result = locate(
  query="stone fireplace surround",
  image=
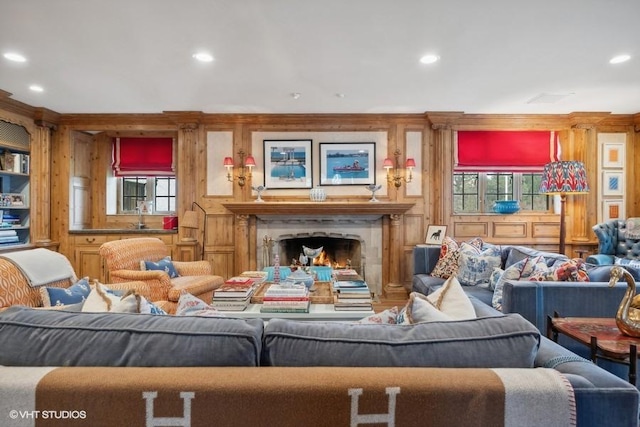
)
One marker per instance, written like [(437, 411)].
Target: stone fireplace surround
[(378, 225)]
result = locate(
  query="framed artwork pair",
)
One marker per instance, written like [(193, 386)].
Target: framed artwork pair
[(289, 163)]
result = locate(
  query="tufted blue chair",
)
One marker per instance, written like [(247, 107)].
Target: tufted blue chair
[(613, 242)]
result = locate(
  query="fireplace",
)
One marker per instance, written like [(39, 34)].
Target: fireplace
[(263, 228), (356, 240)]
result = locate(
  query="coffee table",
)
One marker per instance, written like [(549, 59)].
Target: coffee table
[(601, 335), (317, 312), (321, 307)]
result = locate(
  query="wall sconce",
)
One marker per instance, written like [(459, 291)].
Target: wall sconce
[(395, 176), (247, 162), (190, 222)]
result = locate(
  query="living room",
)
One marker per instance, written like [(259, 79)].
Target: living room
[(263, 91)]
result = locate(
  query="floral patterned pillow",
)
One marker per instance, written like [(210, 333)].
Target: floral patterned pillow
[(475, 265), (447, 264), (386, 317), (573, 270), (521, 270)]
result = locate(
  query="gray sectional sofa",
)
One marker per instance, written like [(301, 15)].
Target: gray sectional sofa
[(108, 369)]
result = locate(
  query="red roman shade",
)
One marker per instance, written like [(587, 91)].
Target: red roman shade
[(505, 151), (143, 157)]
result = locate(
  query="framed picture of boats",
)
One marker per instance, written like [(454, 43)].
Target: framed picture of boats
[(287, 163), (350, 163)]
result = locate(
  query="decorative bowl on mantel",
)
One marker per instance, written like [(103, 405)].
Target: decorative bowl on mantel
[(506, 206)]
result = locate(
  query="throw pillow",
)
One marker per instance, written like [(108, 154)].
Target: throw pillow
[(518, 271), (448, 260), (635, 263), (386, 317), (420, 309), (476, 265), (574, 270), (74, 294), (495, 277), (541, 272), (164, 264), (190, 305), (100, 299), (452, 300)]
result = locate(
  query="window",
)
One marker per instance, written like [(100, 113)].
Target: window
[(475, 192), (160, 190)]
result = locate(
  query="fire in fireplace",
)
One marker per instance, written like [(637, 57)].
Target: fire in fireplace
[(338, 251)]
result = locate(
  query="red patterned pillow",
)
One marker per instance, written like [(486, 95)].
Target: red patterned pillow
[(573, 270), (447, 264)]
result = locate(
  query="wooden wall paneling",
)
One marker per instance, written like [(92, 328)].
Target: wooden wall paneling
[(412, 230), (469, 229), (40, 186), (60, 188), (509, 230), (80, 193)]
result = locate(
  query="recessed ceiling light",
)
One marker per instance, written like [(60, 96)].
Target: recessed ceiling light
[(619, 59), (296, 95), (15, 57), (203, 57), (340, 95), (36, 88), (429, 59)]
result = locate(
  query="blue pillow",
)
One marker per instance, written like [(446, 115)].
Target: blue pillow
[(74, 294), (164, 264)]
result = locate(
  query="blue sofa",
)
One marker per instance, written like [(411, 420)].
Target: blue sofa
[(108, 368)]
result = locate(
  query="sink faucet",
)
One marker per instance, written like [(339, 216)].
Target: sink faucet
[(141, 224)]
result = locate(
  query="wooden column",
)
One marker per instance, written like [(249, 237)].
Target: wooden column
[(394, 289), (242, 243), (40, 217)]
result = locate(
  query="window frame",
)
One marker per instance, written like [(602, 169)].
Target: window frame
[(150, 194)]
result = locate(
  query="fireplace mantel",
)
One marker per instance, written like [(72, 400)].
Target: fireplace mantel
[(318, 208)]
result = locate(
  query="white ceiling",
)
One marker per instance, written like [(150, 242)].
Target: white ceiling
[(134, 56)]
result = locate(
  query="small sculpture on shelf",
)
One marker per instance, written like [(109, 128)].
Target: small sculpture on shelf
[(373, 188), (259, 189), (628, 315)]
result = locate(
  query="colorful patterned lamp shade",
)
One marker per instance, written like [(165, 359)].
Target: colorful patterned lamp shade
[(564, 177)]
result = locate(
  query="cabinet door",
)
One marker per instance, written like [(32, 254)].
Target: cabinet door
[(87, 257)]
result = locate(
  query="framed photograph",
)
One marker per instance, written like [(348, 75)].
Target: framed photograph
[(287, 163), (612, 183), (612, 209), (352, 163), (16, 200), (612, 155), (435, 234)]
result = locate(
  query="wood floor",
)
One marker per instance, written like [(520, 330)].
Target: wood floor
[(389, 300)]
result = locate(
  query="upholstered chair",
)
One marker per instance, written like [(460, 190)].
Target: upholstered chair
[(614, 242), (122, 259)]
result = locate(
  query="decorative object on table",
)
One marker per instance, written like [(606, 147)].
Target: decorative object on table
[(317, 194), (259, 189), (276, 269), (311, 253), (373, 188), (564, 177), (299, 277), (628, 315), (506, 206), (287, 163), (435, 234), (351, 163)]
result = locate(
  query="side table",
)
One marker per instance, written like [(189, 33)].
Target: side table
[(601, 335)]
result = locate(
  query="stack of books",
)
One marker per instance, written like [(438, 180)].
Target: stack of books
[(8, 236), (351, 292), (235, 294), (257, 276), (285, 299)]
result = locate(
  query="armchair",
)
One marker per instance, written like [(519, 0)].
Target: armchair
[(122, 259), (613, 241)]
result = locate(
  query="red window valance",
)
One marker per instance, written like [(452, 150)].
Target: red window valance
[(143, 156), (505, 151)]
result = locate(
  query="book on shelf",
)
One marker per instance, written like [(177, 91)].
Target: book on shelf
[(285, 298), (9, 239), (229, 306), (286, 304), (343, 284), (339, 300), (290, 308), (7, 232)]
